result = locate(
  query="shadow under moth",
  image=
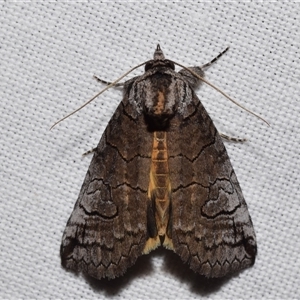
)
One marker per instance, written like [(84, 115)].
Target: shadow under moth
[(160, 176)]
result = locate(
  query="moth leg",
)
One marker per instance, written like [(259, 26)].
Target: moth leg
[(207, 65), (193, 80), (232, 139), (89, 151), (107, 82)]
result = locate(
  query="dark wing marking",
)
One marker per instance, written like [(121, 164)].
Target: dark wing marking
[(211, 227), (107, 230)]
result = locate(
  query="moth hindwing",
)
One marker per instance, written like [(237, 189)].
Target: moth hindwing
[(160, 175)]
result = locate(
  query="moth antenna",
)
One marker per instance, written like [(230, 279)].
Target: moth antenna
[(98, 94), (221, 92)]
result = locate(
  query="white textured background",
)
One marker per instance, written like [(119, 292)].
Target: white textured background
[(49, 52)]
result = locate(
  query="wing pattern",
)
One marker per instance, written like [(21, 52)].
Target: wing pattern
[(211, 226), (107, 230)]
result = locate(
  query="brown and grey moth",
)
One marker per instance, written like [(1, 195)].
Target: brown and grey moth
[(160, 176)]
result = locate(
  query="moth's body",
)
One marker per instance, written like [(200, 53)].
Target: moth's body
[(159, 191), (160, 176)]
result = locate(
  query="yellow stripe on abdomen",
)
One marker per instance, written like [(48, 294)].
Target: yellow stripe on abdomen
[(159, 190)]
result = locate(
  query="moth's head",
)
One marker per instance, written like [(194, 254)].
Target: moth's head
[(159, 61), (158, 54)]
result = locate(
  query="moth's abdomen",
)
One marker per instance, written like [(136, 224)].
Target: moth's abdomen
[(160, 185), (159, 191)]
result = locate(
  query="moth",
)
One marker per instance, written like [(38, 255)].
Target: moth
[(160, 176)]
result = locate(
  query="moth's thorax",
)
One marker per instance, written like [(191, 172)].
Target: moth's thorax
[(160, 101)]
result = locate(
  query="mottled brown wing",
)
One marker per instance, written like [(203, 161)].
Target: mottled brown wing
[(107, 230), (210, 225)]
